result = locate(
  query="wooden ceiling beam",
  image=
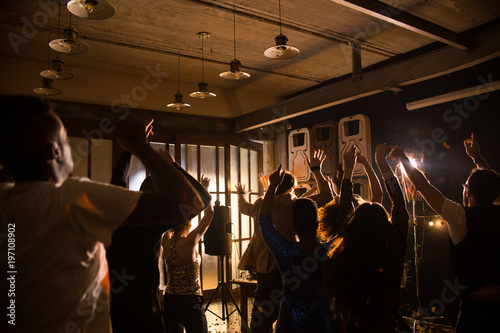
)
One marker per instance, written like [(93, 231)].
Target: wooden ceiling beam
[(430, 65), (407, 21)]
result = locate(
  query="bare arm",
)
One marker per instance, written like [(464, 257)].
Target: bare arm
[(375, 186), (195, 235), (175, 201), (472, 149), (345, 204), (274, 180), (316, 164), (432, 195)]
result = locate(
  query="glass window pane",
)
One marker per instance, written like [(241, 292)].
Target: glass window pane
[(208, 165), (80, 153), (222, 199), (171, 149), (158, 145), (245, 226), (102, 160), (235, 216), (222, 178), (244, 169), (209, 270), (234, 172), (254, 171), (183, 156), (235, 258), (192, 160)]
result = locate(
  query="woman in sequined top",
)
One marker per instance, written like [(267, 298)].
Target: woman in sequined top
[(183, 298)]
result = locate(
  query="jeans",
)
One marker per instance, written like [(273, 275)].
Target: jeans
[(184, 311), (265, 309)]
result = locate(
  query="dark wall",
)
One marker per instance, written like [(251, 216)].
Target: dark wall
[(439, 131)]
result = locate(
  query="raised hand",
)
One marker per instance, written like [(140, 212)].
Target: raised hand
[(472, 147), (350, 161), (205, 182), (240, 188), (149, 128), (276, 177), (130, 135), (396, 153), (382, 151), (264, 180), (317, 159)]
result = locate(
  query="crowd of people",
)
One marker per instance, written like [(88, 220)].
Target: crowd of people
[(328, 261)]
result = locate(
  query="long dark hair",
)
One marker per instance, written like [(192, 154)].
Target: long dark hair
[(356, 260)]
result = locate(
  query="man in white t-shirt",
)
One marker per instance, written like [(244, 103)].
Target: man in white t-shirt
[(474, 229), (57, 226)]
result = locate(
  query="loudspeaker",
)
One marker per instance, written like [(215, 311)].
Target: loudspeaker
[(218, 236)]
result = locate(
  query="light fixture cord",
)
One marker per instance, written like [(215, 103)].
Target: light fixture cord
[(178, 72), (279, 5), (59, 23), (202, 63), (234, 29), (48, 52)]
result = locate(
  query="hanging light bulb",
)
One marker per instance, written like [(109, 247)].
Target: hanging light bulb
[(281, 51), (57, 72), (47, 89), (234, 73), (178, 102), (68, 44), (91, 9), (202, 85)]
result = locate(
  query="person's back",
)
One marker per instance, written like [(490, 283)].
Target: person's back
[(59, 252), (59, 225)]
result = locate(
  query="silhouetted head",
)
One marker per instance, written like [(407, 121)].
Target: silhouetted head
[(327, 215), (33, 140), (482, 188), (287, 184), (368, 226), (305, 217)]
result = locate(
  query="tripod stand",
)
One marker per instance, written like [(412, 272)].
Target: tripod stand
[(225, 292), (419, 320)]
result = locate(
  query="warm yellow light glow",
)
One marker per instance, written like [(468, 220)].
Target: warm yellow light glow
[(431, 224), (413, 162)]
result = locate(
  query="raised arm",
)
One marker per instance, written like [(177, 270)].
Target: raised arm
[(175, 201), (376, 188), (345, 204), (316, 164), (195, 235), (399, 212), (472, 149), (119, 176), (274, 180), (432, 195)]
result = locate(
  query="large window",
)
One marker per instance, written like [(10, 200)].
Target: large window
[(224, 164)]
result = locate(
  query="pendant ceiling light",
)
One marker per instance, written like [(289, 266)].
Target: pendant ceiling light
[(178, 103), (202, 85), (47, 89), (91, 9), (57, 72), (68, 44), (234, 73), (281, 51)]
